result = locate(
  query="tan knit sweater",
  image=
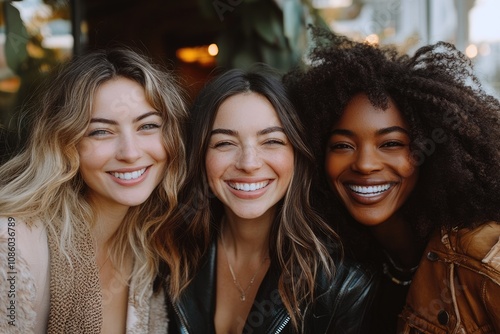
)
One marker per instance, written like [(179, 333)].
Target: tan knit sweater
[(75, 294)]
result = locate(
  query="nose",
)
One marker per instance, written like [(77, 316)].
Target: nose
[(367, 161), (248, 159), (129, 148)]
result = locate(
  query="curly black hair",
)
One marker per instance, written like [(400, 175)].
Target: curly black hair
[(453, 123)]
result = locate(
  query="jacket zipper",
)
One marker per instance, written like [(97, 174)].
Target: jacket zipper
[(282, 325), (182, 325)]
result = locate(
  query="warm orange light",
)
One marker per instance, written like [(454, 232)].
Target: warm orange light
[(372, 39), (213, 50), (471, 51), (188, 55), (204, 55)]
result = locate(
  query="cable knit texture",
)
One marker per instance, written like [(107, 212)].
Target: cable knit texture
[(75, 292)]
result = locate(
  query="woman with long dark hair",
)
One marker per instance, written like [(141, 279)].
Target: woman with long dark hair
[(246, 252)]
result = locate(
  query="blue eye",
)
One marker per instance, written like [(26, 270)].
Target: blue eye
[(150, 126), (98, 132)]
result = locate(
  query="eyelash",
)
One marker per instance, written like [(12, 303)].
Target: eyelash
[(274, 141), (393, 144), (102, 132), (221, 144), (269, 142), (339, 146), (98, 132), (150, 126)]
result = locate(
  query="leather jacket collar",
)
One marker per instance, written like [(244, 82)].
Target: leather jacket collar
[(339, 308), (195, 310)]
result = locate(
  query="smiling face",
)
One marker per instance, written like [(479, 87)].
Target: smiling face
[(122, 157), (249, 161), (368, 161)]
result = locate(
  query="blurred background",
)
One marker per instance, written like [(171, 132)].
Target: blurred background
[(194, 37)]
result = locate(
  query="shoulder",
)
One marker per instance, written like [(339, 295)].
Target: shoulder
[(27, 239), (27, 242), (26, 270), (354, 274), (7, 225), (351, 281), (346, 300), (480, 243)]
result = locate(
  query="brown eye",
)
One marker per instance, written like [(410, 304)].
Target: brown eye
[(339, 146), (393, 144)]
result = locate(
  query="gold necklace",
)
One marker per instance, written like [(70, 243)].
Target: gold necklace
[(243, 292), (102, 265)]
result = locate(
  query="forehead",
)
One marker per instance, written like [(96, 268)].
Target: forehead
[(119, 95), (361, 113), (246, 110)]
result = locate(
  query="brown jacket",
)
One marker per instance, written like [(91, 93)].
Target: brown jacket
[(456, 288)]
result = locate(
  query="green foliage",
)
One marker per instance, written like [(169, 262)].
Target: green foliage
[(16, 38), (260, 31)]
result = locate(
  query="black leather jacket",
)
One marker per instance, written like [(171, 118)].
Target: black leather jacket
[(343, 307)]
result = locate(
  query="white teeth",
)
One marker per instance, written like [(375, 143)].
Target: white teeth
[(129, 176), (248, 186), (369, 191)]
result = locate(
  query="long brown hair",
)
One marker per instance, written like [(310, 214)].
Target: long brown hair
[(298, 239)]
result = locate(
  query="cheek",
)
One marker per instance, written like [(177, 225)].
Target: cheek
[(91, 156), (333, 168), (407, 167), (214, 167), (85, 149), (284, 163), (156, 148)]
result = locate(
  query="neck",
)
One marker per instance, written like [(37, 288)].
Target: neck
[(246, 238), (105, 227), (397, 237)]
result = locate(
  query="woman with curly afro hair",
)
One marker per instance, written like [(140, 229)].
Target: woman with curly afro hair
[(408, 173)]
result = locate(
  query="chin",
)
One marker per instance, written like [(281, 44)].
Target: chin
[(133, 202), (249, 215), (370, 220)]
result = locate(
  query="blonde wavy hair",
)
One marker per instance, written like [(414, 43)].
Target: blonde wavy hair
[(42, 182)]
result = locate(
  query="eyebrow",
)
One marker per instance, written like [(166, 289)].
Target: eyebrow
[(259, 133), (379, 132), (137, 119)]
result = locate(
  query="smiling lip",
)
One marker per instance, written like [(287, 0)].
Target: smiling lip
[(248, 190), (129, 176), (369, 194), (248, 186)]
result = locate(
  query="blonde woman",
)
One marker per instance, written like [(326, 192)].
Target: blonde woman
[(98, 175)]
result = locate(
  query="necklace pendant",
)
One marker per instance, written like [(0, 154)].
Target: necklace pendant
[(243, 298)]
